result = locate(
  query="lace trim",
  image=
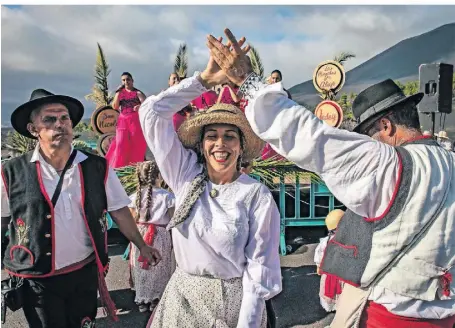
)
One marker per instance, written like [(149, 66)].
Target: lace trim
[(251, 85)]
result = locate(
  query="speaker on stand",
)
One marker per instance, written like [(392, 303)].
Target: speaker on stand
[(436, 84)]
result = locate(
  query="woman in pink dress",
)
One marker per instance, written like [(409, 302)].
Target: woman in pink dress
[(129, 145)]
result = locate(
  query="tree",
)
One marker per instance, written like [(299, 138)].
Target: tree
[(100, 91), (256, 62), (181, 61)]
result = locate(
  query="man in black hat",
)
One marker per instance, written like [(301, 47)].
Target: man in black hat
[(54, 203), (396, 241)]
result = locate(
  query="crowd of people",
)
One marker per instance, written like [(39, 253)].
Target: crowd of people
[(388, 261)]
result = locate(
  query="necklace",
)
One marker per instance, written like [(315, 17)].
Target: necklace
[(213, 193)]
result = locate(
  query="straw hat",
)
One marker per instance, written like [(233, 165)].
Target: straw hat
[(443, 135), (332, 219), (190, 131)]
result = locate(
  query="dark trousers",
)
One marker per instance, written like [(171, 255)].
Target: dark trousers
[(63, 301)]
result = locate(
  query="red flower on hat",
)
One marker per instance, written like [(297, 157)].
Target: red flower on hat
[(20, 222)]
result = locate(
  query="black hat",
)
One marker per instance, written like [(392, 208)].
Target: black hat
[(379, 98), (21, 115)]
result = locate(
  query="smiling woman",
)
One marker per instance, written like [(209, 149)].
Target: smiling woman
[(225, 229)]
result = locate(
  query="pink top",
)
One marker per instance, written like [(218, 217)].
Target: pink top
[(127, 100), (268, 152), (178, 119), (206, 100), (226, 96)]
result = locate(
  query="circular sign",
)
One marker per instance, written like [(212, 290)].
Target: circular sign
[(104, 142), (329, 76), (104, 120), (329, 112)]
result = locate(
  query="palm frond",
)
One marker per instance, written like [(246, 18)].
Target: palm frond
[(275, 169), (128, 178), (18, 145), (100, 91), (256, 62), (344, 56), (181, 61)]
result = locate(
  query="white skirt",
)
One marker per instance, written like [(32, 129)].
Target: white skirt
[(150, 283), (200, 302)]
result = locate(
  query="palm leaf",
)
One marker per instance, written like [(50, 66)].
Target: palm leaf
[(18, 145), (181, 61), (344, 56), (256, 62), (100, 91)]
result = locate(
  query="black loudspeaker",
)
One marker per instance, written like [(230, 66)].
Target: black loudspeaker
[(436, 84)]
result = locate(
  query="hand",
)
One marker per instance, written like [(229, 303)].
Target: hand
[(213, 75), (136, 108), (150, 254), (234, 62)]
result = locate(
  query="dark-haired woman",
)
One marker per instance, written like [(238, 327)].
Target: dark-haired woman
[(129, 146), (152, 207)]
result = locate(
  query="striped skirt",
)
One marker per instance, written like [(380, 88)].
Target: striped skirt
[(199, 302)]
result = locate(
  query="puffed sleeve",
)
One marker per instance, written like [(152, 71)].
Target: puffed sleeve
[(262, 275)]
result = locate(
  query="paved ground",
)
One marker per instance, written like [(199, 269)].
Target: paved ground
[(297, 306)]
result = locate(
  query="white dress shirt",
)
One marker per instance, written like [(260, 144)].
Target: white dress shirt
[(72, 243), (360, 171), (235, 234)]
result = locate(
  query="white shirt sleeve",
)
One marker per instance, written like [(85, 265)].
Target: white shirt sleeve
[(116, 195), (262, 275), (359, 171), (320, 249), (177, 164), (5, 200), (132, 201)]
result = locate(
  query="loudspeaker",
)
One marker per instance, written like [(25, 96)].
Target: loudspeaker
[(436, 84)]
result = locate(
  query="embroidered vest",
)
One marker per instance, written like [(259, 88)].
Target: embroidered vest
[(31, 248), (363, 249)]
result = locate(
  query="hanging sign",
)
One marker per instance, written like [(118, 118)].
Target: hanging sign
[(329, 112), (329, 76), (104, 120), (104, 142)]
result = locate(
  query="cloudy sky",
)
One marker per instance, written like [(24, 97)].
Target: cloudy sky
[(54, 47)]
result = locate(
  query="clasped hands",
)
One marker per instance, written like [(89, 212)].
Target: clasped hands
[(227, 61)]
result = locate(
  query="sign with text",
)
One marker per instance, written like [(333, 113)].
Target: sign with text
[(104, 142), (329, 76), (329, 112), (104, 120)]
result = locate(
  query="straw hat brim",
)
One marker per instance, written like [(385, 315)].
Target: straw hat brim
[(190, 131)]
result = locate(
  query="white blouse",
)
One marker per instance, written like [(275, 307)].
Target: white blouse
[(161, 201), (235, 234)]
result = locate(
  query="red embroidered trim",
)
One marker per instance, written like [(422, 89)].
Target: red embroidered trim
[(109, 305), (46, 196), (351, 247), (394, 195), (446, 279), (32, 258)]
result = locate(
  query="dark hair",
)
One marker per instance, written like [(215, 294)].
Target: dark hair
[(405, 115), (147, 172), (201, 158), (175, 73), (127, 74), (278, 72)]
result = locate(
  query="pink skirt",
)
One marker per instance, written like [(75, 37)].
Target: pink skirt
[(129, 145)]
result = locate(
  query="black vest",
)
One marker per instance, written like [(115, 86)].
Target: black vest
[(31, 247), (347, 254)]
